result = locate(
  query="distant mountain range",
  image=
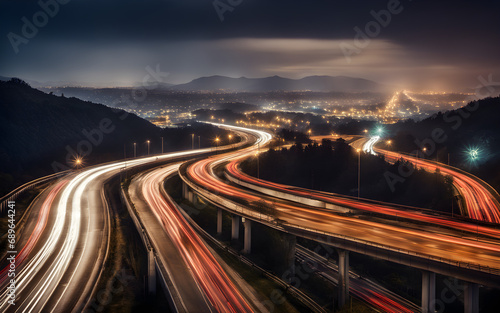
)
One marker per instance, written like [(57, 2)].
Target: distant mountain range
[(229, 84), (277, 83)]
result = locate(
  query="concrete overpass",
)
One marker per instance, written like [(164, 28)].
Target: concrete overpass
[(473, 275)]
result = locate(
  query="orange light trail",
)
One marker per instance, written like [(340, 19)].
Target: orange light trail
[(209, 275), (37, 231)]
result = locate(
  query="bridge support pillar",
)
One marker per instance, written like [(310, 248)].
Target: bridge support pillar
[(247, 246), (219, 221), (185, 190), (428, 291), (235, 227), (471, 298), (343, 286), (151, 273)]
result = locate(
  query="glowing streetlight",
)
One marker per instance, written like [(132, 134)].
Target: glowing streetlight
[(148, 142), (473, 154), (379, 131), (389, 142), (78, 161), (216, 143), (192, 141)]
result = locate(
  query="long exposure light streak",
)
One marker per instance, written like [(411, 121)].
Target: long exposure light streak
[(209, 275)]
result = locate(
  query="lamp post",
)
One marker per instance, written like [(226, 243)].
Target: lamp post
[(78, 162), (161, 145), (359, 170), (148, 145), (216, 144), (258, 165), (230, 137), (135, 154), (192, 141), (199, 142)]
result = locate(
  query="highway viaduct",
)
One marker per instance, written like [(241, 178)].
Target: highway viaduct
[(473, 276)]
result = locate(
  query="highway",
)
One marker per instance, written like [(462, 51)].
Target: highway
[(375, 295), (481, 200), (481, 204), (34, 227), (61, 254), (452, 247), (198, 277), (61, 264), (363, 205)]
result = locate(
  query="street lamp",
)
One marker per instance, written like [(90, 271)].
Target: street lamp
[(474, 154), (192, 141), (258, 161), (135, 154), (258, 165), (78, 161), (161, 145), (199, 142), (148, 145), (379, 131), (359, 170), (216, 143)]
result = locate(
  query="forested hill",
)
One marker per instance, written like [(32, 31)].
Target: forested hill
[(41, 133), (457, 133)]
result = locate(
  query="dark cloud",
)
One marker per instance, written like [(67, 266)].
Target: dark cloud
[(125, 36)]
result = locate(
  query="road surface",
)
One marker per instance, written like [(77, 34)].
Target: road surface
[(199, 279)]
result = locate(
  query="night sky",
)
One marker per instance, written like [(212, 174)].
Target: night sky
[(426, 44)]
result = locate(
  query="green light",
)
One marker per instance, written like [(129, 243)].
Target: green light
[(379, 130), (474, 154)]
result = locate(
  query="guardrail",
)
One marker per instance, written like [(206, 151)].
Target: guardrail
[(316, 196), (11, 196), (171, 292), (305, 299), (487, 186), (301, 230)]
